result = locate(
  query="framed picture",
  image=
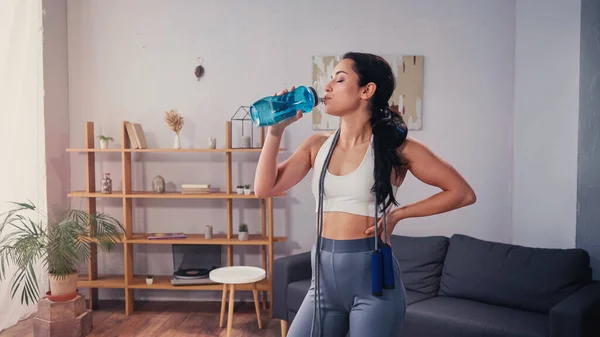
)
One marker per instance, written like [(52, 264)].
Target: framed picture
[(407, 98)]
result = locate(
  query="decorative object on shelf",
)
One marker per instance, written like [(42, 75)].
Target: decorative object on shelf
[(247, 189), (208, 232), (197, 189), (212, 143), (164, 236), (106, 184), (158, 184), (149, 279), (104, 141), (199, 71), (62, 245), (245, 142), (175, 122), (242, 128), (240, 189), (243, 232)]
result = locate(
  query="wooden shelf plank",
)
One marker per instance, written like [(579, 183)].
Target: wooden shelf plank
[(163, 282), (180, 195), (166, 195), (84, 194), (198, 239), (103, 281), (96, 150), (168, 150)]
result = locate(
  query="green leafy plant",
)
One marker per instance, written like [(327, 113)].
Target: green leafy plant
[(61, 245), (105, 138), (247, 186), (243, 227)]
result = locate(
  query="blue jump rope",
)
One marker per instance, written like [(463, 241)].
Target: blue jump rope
[(382, 271)]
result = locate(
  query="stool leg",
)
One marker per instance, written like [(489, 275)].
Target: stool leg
[(231, 303), (256, 305), (284, 328), (223, 304)]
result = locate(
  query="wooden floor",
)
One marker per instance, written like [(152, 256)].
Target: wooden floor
[(167, 319)]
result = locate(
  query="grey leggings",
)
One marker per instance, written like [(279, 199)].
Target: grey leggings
[(347, 305)]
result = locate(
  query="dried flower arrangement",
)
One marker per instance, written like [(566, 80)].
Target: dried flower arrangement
[(174, 120)]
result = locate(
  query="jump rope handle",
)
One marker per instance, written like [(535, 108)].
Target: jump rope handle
[(376, 263), (388, 263)]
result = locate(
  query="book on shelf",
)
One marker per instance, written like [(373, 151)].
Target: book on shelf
[(159, 236), (136, 135), (197, 189)]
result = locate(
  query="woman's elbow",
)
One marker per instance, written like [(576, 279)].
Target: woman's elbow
[(469, 197), (262, 192)]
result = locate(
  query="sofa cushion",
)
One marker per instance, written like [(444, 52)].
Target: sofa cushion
[(454, 317), (296, 293), (421, 260), (514, 276)]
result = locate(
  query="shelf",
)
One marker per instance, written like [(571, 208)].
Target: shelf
[(166, 195), (198, 239), (105, 281), (84, 194), (179, 195), (160, 282), (167, 150), (163, 282)]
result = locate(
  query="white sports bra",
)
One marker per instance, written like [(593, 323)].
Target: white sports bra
[(350, 193)]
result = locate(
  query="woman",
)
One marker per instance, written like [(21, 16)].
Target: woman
[(368, 162)]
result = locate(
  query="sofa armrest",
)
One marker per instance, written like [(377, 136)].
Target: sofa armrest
[(286, 270), (577, 315)]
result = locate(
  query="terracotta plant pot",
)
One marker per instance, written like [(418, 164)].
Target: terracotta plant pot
[(63, 285), (61, 298)]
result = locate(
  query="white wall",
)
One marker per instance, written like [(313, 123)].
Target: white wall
[(133, 60), (546, 122), (56, 102)]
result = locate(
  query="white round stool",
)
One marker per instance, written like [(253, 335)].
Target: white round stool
[(230, 276)]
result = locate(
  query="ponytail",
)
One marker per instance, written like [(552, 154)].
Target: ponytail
[(389, 133)]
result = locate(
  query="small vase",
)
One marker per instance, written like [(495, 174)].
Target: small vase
[(243, 236), (104, 144), (247, 191), (177, 144), (149, 280), (208, 232), (106, 184), (212, 143), (240, 191)]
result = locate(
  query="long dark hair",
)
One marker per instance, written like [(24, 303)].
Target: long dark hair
[(389, 129)]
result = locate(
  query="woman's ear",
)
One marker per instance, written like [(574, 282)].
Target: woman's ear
[(368, 91)]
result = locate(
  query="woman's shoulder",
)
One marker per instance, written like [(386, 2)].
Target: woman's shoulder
[(412, 149), (317, 140)]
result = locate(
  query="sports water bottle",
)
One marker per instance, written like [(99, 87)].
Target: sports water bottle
[(273, 109)]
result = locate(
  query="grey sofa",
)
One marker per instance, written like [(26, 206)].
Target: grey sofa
[(466, 287)]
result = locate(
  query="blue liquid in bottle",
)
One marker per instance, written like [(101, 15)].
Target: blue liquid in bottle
[(273, 109)]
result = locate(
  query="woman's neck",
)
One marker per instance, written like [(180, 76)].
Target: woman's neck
[(355, 129)]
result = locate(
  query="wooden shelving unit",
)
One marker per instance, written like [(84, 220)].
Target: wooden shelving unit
[(129, 281)]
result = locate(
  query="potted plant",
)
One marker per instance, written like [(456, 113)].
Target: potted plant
[(243, 229), (61, 245), (149, 279), (240, 189), (104, 141), (247, 189)]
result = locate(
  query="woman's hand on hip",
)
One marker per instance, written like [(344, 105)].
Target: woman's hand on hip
[(392, 219)]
